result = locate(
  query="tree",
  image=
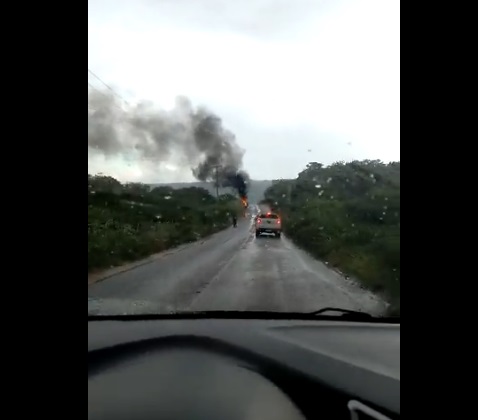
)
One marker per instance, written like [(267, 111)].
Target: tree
[(347, 214)]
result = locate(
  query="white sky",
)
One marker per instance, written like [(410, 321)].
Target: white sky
[(295, 80)]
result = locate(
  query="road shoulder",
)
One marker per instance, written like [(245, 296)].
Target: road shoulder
[(100, 275)]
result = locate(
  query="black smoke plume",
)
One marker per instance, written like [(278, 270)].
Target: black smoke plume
[(237, 180), (195, 134)]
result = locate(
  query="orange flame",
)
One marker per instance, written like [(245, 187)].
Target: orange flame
[(244, 202)]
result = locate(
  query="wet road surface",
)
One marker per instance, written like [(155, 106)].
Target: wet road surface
[(231, 270)]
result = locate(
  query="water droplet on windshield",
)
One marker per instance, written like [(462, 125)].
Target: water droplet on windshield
[(318, 186)]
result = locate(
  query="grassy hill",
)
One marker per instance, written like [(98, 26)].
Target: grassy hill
[(256, 192)]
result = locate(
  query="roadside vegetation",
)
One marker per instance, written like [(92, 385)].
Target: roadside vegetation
[(347, 214), (127, 222)]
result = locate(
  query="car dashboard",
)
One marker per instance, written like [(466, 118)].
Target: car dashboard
[(242, 369)]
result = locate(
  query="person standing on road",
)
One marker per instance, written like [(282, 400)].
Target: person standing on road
[(234, 220)]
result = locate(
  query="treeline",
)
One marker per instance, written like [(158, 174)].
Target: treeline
[(347, 214), (130, 221)]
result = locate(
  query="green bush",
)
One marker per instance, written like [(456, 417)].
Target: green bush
[(349, 215), (129, 222)]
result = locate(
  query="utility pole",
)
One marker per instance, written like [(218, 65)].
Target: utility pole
[(217, 180)]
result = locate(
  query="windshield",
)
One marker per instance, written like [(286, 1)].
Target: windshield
[(206, 115)]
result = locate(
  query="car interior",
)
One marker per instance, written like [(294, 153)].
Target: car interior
[(188, 367)]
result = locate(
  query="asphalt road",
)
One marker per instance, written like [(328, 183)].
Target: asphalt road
[(231, 270)]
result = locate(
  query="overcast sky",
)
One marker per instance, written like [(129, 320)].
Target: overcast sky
[(295, 80)]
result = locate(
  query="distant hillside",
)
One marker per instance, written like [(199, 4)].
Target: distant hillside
[(255, 194)]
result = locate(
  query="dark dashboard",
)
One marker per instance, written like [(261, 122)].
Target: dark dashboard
[(242, 369)]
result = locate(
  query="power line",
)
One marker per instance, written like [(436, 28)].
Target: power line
[(107, 86), (102, 94), (97, 90), (97, 77)]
